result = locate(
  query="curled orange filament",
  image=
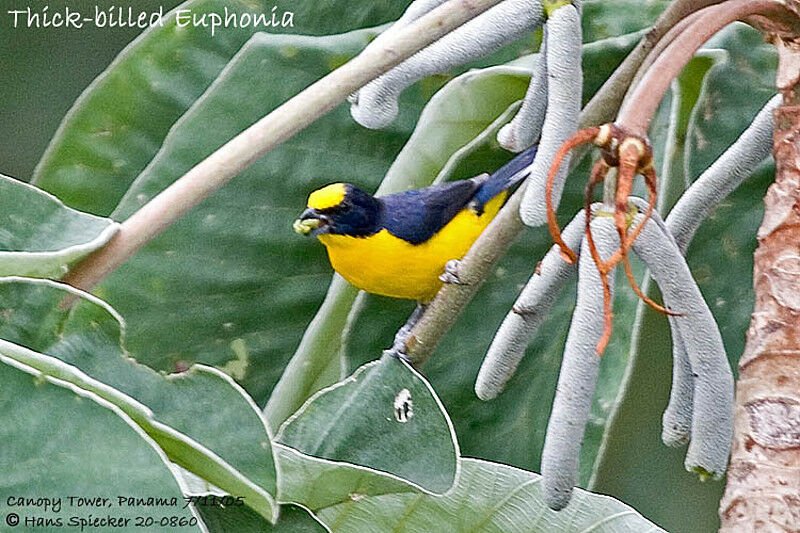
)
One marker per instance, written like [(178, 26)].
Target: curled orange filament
[(631, 155)]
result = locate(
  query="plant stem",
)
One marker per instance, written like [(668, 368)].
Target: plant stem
[(268, 133), (605, 103), (639, 110), (660, 46), (763, 481)]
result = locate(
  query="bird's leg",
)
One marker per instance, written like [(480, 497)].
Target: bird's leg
[(450, 274), (398, 348)]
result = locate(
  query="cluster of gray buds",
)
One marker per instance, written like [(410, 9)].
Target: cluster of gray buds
[(700, 409)]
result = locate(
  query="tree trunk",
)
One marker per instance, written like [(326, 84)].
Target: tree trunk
[(763, 487)]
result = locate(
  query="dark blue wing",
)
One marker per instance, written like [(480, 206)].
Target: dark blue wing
[(416, 215), (504, 178)]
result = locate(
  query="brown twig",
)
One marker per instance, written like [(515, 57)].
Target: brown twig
[(639, 110)]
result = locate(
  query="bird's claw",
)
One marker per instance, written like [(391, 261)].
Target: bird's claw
[(397, 353), (451, 272)]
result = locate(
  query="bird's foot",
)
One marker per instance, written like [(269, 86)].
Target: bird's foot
[(397, 353), (451, 272), (398, 348), (401, 337)]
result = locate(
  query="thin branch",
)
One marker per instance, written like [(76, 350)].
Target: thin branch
[(639, 110), (605, 103), (268, 133)]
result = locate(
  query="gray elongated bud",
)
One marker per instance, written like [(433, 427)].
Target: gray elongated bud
[(723, 176), (375, 104), (564, 90), (579, 369), (712, 421), (527, 314), (676, 424), (526, 127)]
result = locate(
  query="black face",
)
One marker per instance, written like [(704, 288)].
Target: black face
[(357, 215)]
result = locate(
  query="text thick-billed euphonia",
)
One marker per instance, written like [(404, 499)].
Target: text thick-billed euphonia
[(398, 245)]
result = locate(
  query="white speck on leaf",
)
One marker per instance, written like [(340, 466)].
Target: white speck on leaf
[(403, 406)]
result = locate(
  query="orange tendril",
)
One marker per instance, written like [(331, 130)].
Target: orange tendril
[(632, 155), (578, 138)]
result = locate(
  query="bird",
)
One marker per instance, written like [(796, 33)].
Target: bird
[(406, 245)]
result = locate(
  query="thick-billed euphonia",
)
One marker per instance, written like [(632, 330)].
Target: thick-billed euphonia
[(398, 245)]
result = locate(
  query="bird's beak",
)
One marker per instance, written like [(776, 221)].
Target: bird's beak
[(310, 222)]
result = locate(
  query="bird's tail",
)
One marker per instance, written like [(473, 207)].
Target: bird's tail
[(506, 177)]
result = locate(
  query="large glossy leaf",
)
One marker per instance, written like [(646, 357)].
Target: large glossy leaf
[(488, 497), (386, 417), (40, 236), (293, 519), (635, 465), (118, 124), (55, 443), (201, 418)]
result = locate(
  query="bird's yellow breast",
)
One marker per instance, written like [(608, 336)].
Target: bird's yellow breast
[(387, 265)]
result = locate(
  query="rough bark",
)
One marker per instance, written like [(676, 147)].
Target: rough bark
[(763, 487)]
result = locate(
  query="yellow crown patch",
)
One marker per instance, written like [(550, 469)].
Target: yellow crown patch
[(328, 196)]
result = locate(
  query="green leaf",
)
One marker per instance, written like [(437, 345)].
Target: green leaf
[(635, 465), (55, 442), (40, 236), (317, 362), (119, 122), (317, 483), (292, 519), (201, 418), (488, 497), (386, 417)]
